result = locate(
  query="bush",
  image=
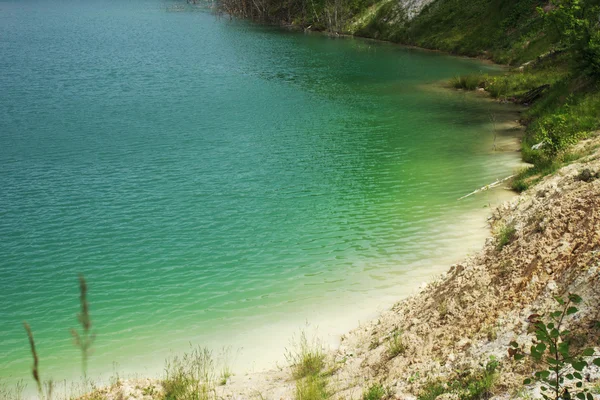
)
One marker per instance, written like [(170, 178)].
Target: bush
[(577, 24), (561, 366)]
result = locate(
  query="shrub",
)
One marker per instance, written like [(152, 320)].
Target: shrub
[(577, 24), (553, 350)]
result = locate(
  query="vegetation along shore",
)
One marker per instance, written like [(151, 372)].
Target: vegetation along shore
[(519, 319)]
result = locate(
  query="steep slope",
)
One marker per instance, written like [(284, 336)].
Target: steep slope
[(507, 31)]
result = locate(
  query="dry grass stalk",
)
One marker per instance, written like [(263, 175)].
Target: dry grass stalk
[(84, 340), (36, 361)]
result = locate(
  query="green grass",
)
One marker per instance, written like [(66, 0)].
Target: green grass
[(505, 235), (376, 392), (191, 377), (305, 357), (507, 31), (396, 345), (467, 82), (312, 387)]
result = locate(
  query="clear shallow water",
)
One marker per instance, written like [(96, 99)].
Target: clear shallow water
[(218, 182)]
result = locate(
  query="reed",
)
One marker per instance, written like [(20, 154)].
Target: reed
[(35, 370), (84, 340)]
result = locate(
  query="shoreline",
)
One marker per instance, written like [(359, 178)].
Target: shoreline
[(332, 337), (470, 313)]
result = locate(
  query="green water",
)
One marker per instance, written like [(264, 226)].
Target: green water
[(218, 182)]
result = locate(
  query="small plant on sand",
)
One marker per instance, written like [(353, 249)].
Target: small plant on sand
[(561, 373), (396, 345), (225, 375), (307, 361), (312, 387), (505, 235), (11, 393), (305, 357), (376, 392), (190, 377), (84, 340)]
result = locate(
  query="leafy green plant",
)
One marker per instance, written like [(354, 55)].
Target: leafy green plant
[(561, 365)]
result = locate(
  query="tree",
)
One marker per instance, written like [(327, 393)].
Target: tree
[(577, 23)]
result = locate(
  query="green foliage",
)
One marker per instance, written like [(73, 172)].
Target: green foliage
[(190, 377), (468, 385), (577, 24), (505, 235), (396, 345), (376, 392), (561, 372), (508, 31), (432, 390), (560, 126)]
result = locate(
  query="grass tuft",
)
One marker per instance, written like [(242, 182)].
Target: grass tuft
[(191, 377), (11, 393), (396, 345), (376, 392), (312, 387), (306, 357), (467, 82), (505, 235)]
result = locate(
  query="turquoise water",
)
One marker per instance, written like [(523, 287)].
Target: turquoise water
[(218, 182)]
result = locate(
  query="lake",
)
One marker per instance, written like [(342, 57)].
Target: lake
[(221, 183)]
